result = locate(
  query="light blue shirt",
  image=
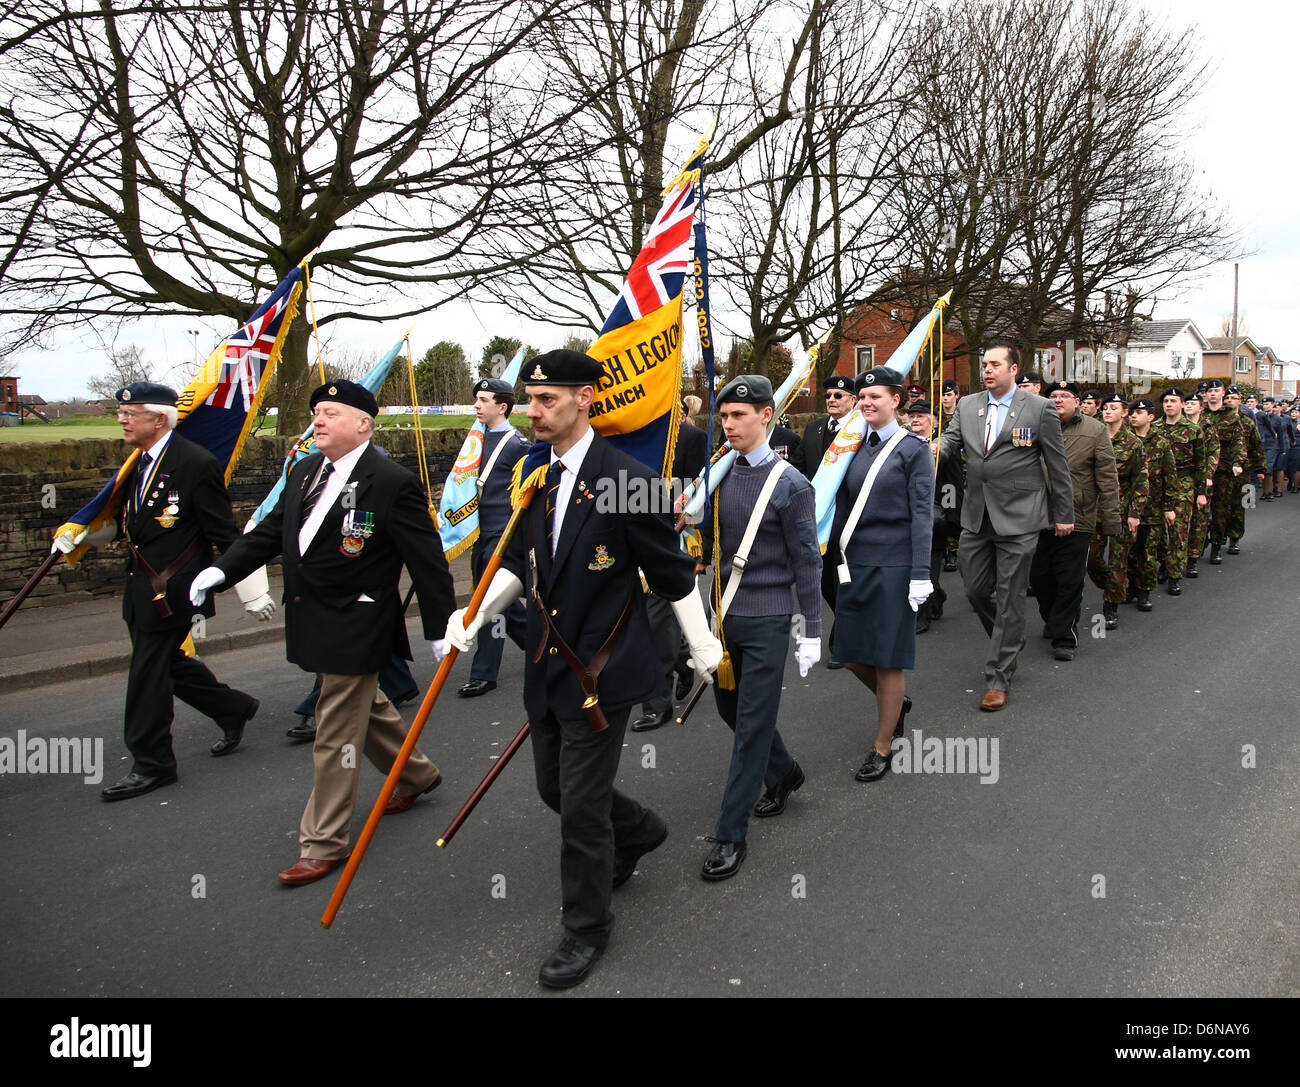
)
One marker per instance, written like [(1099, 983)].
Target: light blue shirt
[(885, 432), (1001, 407), (758, 455)]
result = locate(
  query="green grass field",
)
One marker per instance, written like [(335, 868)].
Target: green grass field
[(89, 426)]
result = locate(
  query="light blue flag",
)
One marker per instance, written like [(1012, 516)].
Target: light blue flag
[(839, 455), (695, 497), (373, 379), (458, 506)]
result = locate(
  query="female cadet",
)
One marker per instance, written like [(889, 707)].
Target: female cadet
[(883, 519)]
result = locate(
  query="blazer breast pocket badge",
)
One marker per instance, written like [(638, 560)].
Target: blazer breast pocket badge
[(602, 561), (1022, 435), (358, 527)]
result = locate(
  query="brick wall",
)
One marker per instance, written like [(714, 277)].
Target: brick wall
[(43, 483)]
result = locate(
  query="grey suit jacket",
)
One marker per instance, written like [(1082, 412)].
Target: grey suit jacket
[(1010, 482)]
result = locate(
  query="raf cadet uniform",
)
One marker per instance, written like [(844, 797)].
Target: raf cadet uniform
[(503, 447), (762, 540)]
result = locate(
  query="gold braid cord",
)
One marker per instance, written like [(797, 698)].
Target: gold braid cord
[(725, 676)]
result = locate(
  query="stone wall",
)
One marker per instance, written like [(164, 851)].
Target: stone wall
[(42, 484)]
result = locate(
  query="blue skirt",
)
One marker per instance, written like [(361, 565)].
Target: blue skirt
[(874, 624)]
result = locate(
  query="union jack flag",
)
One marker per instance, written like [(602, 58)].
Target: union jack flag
[(656, 275)]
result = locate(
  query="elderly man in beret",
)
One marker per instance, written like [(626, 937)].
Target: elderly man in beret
[(176, 510), (347, 521)]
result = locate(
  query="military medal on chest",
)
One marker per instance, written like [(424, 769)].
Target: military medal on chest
[(170, 515), (358, 527)]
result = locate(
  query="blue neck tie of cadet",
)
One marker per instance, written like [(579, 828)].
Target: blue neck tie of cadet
[(313, 496)]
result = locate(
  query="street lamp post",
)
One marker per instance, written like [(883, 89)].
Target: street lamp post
[(195, 333)]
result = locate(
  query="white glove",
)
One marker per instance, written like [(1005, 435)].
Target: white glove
[(439, 649), (807, 652), (263, 607), (504, 591), (706, 650), (68, 543), (203, 581), (918, 592), (254, 591)]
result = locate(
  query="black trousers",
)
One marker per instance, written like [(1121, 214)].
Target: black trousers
[(667, 636), (159, 671), (1056, 576), (575, 770)]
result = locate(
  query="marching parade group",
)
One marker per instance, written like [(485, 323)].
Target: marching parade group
[(1023, 494)]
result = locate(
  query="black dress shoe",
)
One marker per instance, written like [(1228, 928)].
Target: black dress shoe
[(476, 687), (403, 699), (137, 785), (648, 721), (875, 767), (773, 801), (232, 734), (625, 860), (833, 664), (1174, 588), (724, 861), (922, 623), (902, 716), (304, 730), (569, 964)]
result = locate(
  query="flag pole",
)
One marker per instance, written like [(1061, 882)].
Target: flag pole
[(417, 726), (26, 590)]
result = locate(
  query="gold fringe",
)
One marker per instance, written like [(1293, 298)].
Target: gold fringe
[(462, 547), (725, 676)]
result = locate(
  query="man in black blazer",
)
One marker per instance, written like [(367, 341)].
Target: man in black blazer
[(347, 521), (175, 512), (588, 537)]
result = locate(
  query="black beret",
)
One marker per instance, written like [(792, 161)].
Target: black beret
[(877, 375), (495, 386), (838, 381), (1114, 398), (1196, 397), (349, 393), (1065, 386), (146, 392), (1268, 400), (746, 389), (950, 386), (919, 407), (1094, 394), (1029, 377), (562, 367), (1209, 383), (1174, 390), (1142, 403), (1231, 388)]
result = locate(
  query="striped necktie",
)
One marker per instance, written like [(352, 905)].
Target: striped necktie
[(313, 496), (142, 483), (552, 487)]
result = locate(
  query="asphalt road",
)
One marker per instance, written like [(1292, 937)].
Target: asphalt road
[(1126, 764)]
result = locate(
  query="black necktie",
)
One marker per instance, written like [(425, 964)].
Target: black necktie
[(743, 461), (313, 496), (874, 440), (833, 426), (552, 486), (141, 483)]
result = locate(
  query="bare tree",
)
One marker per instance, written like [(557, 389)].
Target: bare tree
[(124, 367), (181, 158)]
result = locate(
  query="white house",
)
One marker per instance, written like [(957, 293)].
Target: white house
[(1171, 349)]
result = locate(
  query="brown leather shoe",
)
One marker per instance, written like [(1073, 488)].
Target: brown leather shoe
[(308, 870), (993, 700), (398, 804)]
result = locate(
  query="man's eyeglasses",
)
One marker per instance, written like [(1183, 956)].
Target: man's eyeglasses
[(123, 413), (836, 396)]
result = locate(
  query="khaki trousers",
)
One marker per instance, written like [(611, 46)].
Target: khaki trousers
[(352, 715)]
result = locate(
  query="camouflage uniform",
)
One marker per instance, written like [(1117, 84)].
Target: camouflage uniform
[(1200, 531), (1227, 487), (1144, 556), (1108, 555), (1254, 463), (1187, 482)]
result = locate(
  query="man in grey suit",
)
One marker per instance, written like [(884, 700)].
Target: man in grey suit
[(1014, 449)]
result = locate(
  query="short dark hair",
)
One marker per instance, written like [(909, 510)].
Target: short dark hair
[(507, 402), (1013, 349)]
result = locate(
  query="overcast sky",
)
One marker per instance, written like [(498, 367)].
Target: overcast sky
[(1244, 146)]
